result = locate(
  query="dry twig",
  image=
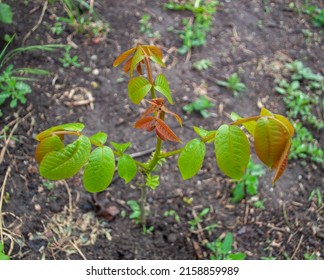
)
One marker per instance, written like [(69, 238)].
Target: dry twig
[(37, 24)]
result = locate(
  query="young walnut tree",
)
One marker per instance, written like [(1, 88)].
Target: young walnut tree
[(272, 135)]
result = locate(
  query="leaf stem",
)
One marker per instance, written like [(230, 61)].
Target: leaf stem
[(149, 73), (77, 133)]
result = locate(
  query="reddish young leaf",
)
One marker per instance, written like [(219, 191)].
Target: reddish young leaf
[(152, 49), (149, 110), (139, 69), (281, 165), (145, 123), (165, 132), (127, 65), (120, 59), (177, 117), (161, 136)]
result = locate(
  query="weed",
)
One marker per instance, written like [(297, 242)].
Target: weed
[(3, 255), (136, 214), (268, 258), (316, 14), (48, 185), (146, 27), (82, 17), (172, 213), (198, 219), (5, 13), (310, 257), (13, 89), (202, 64), (305, 146), (67, 60), (57, 28), (302, 98), (222, 249), (13, 85), (200, 105), (234, 84), (249, 183), (259, 204), (195, 32), (317, 195)]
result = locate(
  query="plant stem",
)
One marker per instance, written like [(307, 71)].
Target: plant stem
[(143, 204)]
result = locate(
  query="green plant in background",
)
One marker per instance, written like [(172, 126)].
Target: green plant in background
[(58, 160), (249, 182), (316, 14), (13, 84), (198, 219), (3, 256), (145, 27), (202, 64), (13, 89), (5, 13), (172, 213), (310, 257), (304, 146), (82, 17), (57, 28), (234, 84), (195, 32), (303, 98), (200, 105), (67, 60), (222, 249), (316, 194), (136, 214)]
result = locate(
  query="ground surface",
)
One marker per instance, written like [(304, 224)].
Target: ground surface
[(254, 38)]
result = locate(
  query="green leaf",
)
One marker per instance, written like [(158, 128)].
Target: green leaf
[(23, 88), (232, 151), (126, 168), (249, 126), (5, 13), (138, 56), (237, 256), (204, 212), (62, 164), (3, 256), (65, 127), (191, 158), (121, 147), (152, 181), (47, 145), (156, 59), (227, 243), (138, 87), (238, 192), (99, 172), (134, 205), (162, 86), (204, 133), (99, 138)]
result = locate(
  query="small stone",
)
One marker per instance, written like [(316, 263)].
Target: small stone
[(172, 237), (38, 207), (95, 72), (94, 58)]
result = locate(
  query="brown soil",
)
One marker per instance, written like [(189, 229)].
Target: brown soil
[(253, 38)]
